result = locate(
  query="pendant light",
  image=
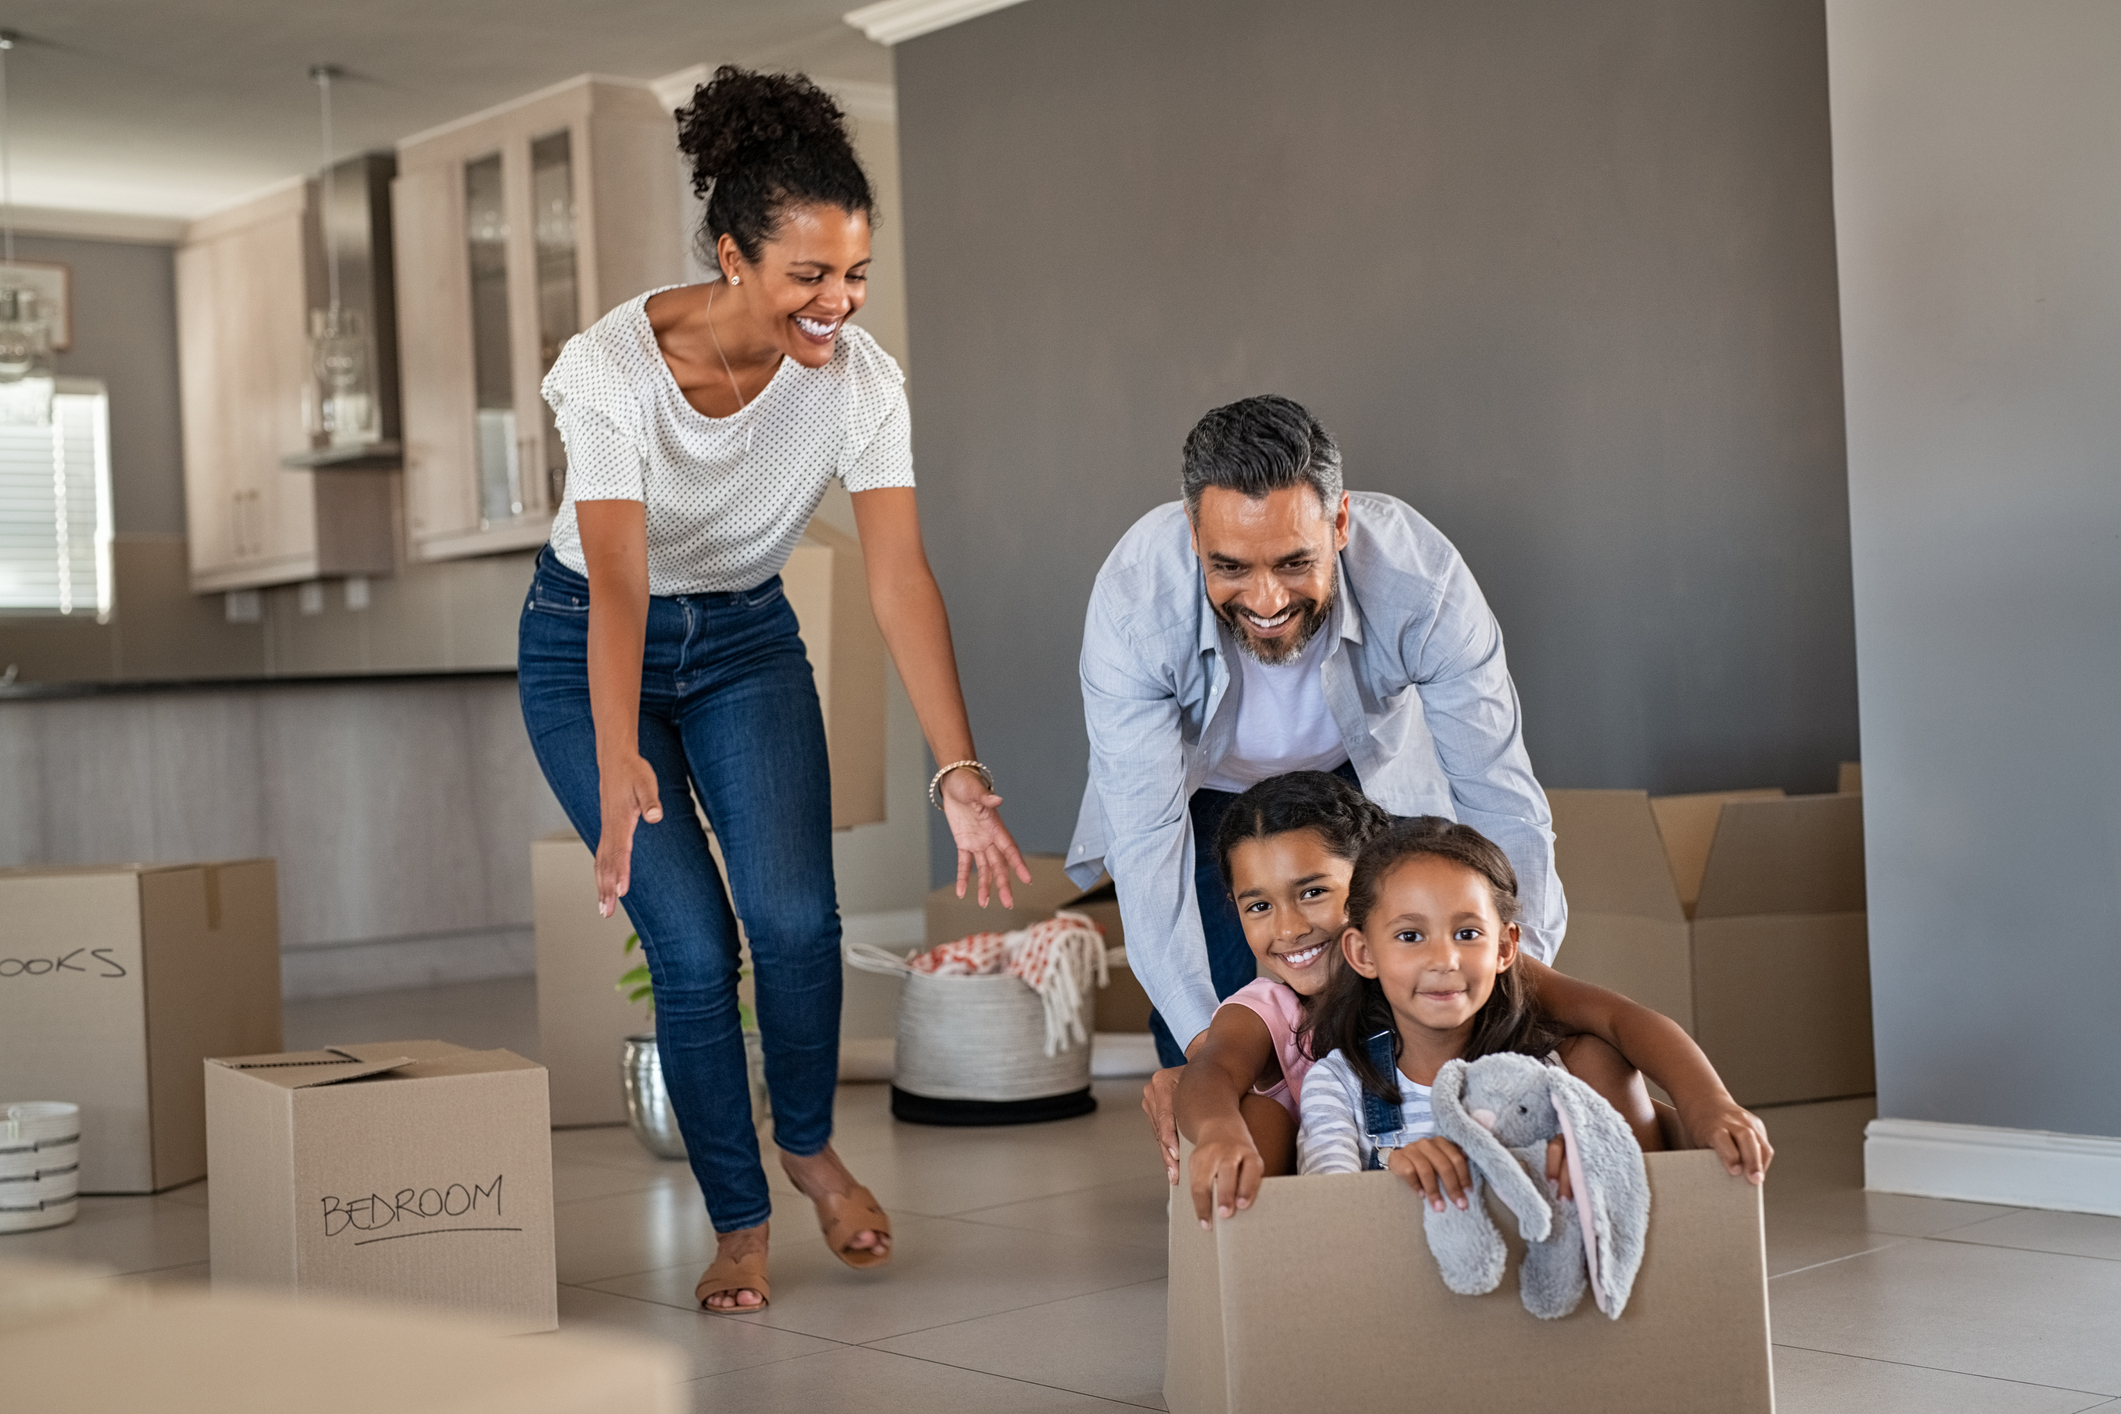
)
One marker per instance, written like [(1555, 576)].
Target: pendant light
[(26, 375), (340, 403)]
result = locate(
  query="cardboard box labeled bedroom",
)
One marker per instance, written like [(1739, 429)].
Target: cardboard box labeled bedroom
[(403, 1171)]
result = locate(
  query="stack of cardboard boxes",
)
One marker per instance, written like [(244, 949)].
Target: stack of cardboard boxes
[(1740, 915)]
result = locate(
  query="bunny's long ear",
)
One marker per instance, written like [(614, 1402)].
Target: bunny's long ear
[(1601, 1152), (1535, 1214)]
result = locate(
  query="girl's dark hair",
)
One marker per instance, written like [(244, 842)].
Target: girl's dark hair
[(1352, 1008), (760, 143), (1319, 801)]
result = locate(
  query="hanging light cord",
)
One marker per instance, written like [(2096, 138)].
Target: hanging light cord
[(7, 171), (322, 73)]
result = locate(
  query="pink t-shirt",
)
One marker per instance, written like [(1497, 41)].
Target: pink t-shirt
[(1283, 1011)]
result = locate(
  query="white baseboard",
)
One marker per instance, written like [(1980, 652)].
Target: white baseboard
[(485, 955), (392, 964), (2024, 1168)]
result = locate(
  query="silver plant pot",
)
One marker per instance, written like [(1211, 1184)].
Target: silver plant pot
[(648, 1107)]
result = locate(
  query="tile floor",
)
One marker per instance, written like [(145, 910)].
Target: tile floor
[(1030, 1266)]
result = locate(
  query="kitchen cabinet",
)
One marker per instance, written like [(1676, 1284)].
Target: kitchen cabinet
[(246, 280), (515, 229)]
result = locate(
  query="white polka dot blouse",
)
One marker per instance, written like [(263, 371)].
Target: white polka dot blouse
[(727, 497)]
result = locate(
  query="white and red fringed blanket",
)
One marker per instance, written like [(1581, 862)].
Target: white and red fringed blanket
[(1058, 958)]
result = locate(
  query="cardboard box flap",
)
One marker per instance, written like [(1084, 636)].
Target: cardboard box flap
[(1050, 890), (304, 1070), (1688, 825), (1609, 856), (1799, 854)]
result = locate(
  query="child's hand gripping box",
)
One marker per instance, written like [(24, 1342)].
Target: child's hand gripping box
[(1323, 1295), (404, 1171), (1740, 916)]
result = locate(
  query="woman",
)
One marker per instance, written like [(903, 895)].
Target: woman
[(660, 662)]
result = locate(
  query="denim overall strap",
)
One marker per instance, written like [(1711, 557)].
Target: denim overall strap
[(1380, 1119)]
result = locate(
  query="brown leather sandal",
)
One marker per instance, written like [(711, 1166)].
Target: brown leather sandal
[(842, 1215), (730, 1275)]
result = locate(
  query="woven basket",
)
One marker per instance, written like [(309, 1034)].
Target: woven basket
[(971, 1050)]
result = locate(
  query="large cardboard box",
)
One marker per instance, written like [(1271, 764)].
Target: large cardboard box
[(828, 587), (402, 1171), (1121, 1005), (73, 1341), (582, 1019), (116, 981), (1740, 916), (1323, 1295)]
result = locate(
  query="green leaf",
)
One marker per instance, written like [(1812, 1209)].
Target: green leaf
[(639, 994), (633, 976), (633, 940)]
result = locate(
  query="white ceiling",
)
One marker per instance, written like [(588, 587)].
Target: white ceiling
[(176, 107)]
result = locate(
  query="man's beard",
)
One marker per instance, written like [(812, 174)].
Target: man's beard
[(1311, 616)]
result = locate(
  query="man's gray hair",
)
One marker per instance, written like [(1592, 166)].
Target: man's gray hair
[(1260, 445)]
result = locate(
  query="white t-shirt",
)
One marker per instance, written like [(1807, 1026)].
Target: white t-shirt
[(1332, 1138), (727, 497), (1282, 721)]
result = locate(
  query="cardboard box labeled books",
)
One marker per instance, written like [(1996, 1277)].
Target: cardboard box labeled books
[(74, 1341), (1122, 1005), (1323, 1295), (1740, 916), (403, 1171), (116, 982)]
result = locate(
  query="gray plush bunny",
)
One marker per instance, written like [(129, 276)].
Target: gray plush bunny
[(1501, 1109)]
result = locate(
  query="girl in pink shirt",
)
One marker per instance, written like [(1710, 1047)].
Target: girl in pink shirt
[(1287, 848)]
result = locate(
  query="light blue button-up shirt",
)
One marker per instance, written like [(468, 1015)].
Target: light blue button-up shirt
[(1414, 678)]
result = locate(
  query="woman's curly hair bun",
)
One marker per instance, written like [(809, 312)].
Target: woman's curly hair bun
[(760, 143)]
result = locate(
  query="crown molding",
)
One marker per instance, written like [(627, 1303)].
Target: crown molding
[(141, 228), (896, 21)]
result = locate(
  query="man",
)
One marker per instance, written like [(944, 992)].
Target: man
[(1274, 622)]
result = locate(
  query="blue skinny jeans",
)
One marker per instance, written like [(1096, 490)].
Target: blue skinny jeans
[(730, 718)]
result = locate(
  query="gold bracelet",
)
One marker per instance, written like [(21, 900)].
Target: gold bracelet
[(935, 797)]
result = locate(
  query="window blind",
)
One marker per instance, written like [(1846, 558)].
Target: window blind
[(55, 519)]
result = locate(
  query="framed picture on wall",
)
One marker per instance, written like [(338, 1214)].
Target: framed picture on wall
[(54, 285)]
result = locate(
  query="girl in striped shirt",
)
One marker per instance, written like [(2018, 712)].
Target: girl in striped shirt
[(1431, 972)]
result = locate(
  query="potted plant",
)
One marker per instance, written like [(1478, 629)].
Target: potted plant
[(641, 1066)]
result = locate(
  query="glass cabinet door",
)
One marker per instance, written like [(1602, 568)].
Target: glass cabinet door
[(486, 237), (559, 300)]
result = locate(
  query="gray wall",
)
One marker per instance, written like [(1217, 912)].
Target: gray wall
[(1980, 217), (1560, 275), (125, 332)]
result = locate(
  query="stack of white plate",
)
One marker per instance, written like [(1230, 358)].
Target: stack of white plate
[(40, 1164)]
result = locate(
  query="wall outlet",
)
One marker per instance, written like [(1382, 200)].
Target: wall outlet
[(357, 591), (311, 597), (243, 606)]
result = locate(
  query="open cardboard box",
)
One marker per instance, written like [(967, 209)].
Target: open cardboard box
[(1740, 915), (115, 982), (1323, 1295), (75, 1341), (1122, 1005), (403, 1171)]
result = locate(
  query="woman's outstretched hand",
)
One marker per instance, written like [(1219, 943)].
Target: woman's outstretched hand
[(627, 788), (983, 841)]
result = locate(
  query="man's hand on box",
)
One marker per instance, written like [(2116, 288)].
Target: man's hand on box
[(1159, 1098)]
